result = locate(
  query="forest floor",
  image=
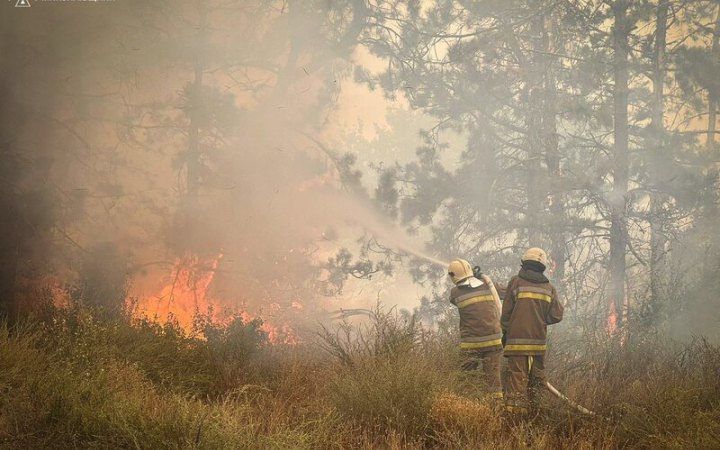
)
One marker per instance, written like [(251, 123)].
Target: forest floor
[(71, 380)]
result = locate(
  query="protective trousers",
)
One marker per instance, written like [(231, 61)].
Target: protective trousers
[(525, 378), (490, 362)]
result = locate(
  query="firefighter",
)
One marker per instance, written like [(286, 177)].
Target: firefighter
[(479, 324), (531, 304)]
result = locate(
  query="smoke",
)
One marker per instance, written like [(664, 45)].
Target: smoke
[(108, 158), (160, 132), (360, 211), (271, 198)]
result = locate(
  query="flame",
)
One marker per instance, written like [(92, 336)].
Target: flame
[(184, 295), (612, 319)]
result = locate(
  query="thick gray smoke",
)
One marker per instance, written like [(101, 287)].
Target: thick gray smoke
[(186, 129)]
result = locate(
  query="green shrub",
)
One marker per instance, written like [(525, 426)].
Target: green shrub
[(205, 363), (230, 346)]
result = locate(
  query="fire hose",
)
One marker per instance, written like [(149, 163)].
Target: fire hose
[(486, 279), (553, 390)]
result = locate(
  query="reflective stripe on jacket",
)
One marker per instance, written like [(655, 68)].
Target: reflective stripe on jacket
[(479, 318), (528, 309)]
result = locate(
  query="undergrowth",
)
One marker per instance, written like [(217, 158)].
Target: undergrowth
[(73, 380)]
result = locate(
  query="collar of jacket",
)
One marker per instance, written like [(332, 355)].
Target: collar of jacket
[(471, 281), (531, 275)]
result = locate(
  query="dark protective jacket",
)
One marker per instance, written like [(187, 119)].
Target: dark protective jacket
[(479, 318), (529, 307)]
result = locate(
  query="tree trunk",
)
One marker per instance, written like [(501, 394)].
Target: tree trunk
[(556, 224), (535, 174), (712, 95), (9, 250), (618, 226), (12, 120), (658, 240), (194, 157)]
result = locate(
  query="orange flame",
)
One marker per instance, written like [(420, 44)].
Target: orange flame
[(184, 295), (612, 319)]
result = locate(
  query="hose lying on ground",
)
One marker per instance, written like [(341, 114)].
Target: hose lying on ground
[(553, 390)]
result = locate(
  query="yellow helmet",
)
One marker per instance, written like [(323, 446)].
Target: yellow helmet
[(535, 254), (459, 269)]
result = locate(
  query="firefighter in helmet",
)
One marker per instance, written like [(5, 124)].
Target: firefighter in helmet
[(479, 323), (531, 304)]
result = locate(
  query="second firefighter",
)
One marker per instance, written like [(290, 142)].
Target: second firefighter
[(531, 304)]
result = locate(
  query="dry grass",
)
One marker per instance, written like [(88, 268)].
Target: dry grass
[(453, 415), (88, 384)]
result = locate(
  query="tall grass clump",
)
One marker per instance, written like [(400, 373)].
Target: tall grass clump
[(649, 390), (51, 401), (663, 394), (387, 395), (78, 387), (384, 382)]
